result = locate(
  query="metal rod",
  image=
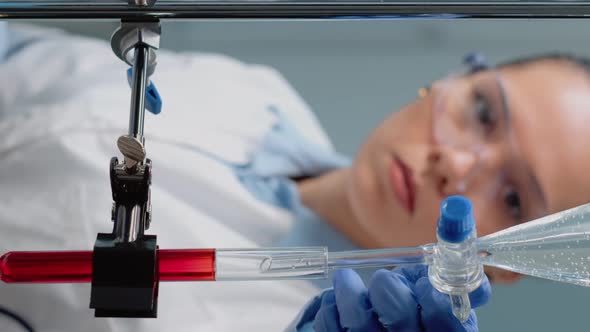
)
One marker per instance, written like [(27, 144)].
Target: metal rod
[(137, 113), (291, 9), (128, 223)]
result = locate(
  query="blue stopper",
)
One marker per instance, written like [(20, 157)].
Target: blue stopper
[(456, 220)]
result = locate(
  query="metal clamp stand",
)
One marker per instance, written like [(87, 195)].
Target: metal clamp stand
[(124, 265)]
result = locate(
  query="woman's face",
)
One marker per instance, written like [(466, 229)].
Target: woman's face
[(534, 160)]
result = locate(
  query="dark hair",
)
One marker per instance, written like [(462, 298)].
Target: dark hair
[(579, 61)]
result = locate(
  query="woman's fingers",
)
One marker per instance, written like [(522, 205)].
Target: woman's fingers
[(352, 298), (482, 294), (436, 313), (394, 301), (327, 318), (402, 300)]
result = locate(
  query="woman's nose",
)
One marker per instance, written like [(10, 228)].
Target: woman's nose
[(453, 167)]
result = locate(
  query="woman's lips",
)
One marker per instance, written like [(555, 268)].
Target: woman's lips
[(402, 182)]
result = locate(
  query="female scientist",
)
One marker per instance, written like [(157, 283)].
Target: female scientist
[(240, 161)]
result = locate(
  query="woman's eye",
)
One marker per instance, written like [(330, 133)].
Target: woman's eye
[(483, 112), (512, 201)]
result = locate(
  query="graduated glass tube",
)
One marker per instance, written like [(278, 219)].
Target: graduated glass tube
[(555, 247), (207, 264)]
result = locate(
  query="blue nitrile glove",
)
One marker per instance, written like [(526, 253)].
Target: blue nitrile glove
[(153, 101), (398, 300)]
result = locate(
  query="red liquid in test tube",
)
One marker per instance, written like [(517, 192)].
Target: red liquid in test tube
[(76, 266)]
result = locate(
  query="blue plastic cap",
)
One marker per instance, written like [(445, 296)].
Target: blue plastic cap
[(153, 101), (456, 220)]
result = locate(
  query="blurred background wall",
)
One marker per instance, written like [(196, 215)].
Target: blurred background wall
[(354, 73)]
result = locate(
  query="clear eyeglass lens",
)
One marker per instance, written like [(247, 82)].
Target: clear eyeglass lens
[(470, 115), (469, 111)]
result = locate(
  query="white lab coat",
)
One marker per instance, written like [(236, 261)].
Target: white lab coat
[(64, 101)]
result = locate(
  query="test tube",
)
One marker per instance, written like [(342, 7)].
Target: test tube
[(76, 266), (209, 264)]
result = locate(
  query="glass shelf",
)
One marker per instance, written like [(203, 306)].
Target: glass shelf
[(289, 9)]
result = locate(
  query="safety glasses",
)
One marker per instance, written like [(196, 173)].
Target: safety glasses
[(471, 114)]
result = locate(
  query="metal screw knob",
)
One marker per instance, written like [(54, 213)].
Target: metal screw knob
[(132, 149)]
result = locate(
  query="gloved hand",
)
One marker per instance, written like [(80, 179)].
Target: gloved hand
[(398, 300)]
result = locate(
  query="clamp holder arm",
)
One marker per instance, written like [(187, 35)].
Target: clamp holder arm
[(124, 264)]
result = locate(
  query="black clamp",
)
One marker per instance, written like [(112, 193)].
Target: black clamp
[(124, 263)]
